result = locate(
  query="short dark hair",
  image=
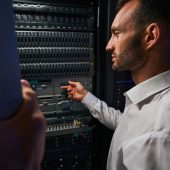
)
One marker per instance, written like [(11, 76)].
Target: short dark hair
[(150, 11)]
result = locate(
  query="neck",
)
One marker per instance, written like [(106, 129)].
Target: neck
[(145, 73)]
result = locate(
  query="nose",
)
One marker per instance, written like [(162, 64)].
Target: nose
[(110, 45)]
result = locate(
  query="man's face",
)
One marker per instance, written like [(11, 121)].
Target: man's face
[(125, 43)]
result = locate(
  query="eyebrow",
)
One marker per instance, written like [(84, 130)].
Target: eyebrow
[(113, 29), (117, 28)]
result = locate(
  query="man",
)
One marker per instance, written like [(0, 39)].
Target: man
[(22, 136), (140, 42)]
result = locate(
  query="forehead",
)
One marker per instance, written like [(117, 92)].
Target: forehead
[(124, 16)]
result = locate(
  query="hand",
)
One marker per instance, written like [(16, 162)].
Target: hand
[(22, 137), (76, 91)]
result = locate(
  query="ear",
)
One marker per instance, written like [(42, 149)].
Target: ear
[(152, 35)]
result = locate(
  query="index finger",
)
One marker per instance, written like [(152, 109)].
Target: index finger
[(64, 87)]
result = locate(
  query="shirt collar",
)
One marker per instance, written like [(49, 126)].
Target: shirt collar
[(149, 87)]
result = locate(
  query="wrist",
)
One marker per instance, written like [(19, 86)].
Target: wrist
[(84, 93)]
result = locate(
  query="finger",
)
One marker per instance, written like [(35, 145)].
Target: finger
[(25, 83), (68, 88), (74, 84), (29, 104), (71, 97), (70, 93), (64, 87), (28, 93)]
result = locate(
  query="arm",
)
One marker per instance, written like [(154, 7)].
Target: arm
[(99, 109), (22, 137)]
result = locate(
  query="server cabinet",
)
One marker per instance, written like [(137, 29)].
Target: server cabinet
[(56, 44)]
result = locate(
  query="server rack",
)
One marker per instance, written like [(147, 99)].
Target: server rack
[(56, 44)]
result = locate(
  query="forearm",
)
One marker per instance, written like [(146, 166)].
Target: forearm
[(101, 111)]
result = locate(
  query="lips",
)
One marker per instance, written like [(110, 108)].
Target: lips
[(113, 55)]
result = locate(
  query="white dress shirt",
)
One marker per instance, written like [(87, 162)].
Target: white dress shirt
[(142, 137)]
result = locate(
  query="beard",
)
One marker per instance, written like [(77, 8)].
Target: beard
[(131, 57)]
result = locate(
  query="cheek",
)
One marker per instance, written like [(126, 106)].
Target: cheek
[(121, 49), (121, 44), (130, 46)]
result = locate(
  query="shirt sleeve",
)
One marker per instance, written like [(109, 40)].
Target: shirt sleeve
[(148, 152), (100, 110)]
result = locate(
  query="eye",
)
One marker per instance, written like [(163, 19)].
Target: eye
[(116, 34)]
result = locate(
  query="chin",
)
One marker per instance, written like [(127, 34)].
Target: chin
[(118, 68)]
